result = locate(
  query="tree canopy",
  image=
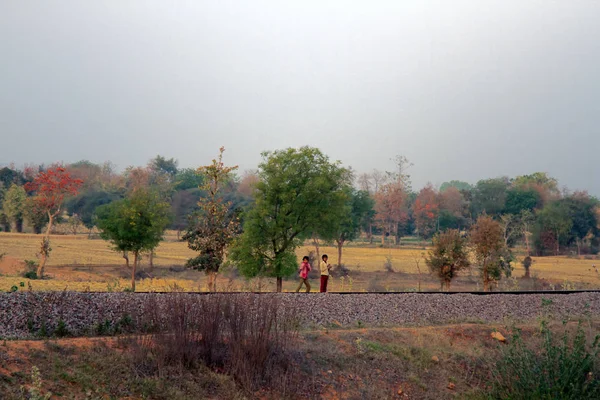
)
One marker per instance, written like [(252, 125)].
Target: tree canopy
[(296, 188), (134, 224)]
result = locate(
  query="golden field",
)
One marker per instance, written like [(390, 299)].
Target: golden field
[(79, 263)]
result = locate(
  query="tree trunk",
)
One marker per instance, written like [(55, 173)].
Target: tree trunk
[(527, 243), (279, 284), (340, 245), (151, 259), (45, 250), (526, 272), (557, 244), (447, 284), (486, 281), (212, 281), (316, 243), (135, 262), (126, 257), (370, 234)]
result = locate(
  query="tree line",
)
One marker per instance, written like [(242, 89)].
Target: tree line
[(257, 219)]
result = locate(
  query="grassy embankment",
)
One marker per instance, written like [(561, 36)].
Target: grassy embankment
[(436, 362)]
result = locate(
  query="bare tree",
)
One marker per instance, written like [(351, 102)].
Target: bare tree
[(364, 182), (417, 258), (400, 174), (379, 179)]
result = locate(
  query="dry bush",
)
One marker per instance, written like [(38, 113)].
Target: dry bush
[(340, 270), (375, 286), (248, 337)]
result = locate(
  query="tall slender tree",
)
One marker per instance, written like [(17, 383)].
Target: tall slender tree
[(50, 189), (214, 226), (392, 213), (14, 206)]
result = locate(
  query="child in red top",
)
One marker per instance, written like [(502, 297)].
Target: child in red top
[(303, 273)]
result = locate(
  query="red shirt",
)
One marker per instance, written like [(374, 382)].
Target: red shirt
[(304, 269)]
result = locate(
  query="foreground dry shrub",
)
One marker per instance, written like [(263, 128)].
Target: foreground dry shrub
[(248, 337)]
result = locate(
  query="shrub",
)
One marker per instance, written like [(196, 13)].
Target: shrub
[(30, 269), (61, 329), (448, 256), (35, 390), (375, 286), (389, 267), (340, 271), (248, 337), (30, 275), (563, 369)]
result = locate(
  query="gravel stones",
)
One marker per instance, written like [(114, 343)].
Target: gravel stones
[(24, 314)]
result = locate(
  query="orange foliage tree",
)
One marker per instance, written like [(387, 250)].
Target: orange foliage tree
[(50, 189), (425, 211)]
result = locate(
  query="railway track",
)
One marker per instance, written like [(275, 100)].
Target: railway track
[(390, 293)]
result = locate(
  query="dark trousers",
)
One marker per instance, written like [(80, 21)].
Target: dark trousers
[(324, 279)]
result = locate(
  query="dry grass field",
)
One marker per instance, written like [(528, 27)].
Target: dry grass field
[(79, 263)]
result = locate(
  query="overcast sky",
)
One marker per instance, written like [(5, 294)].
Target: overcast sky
[(465, 89)]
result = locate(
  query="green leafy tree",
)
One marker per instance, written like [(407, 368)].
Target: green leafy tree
[(8, 176), (296, 188), (582, 211), (214, 227), (164, 166), (492, 255), (134, 224), (519, 200), (85, 205), (13, 206), (489, 196), (36, 217), (542, 183), (553, 224), (359, 209), (188, 178), (448, 256), (460, 185)]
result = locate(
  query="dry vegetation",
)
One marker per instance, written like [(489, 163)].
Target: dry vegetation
[(78, 263), (437, 362)]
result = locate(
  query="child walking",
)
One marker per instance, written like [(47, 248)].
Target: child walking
[(303, 272), (325, 267)]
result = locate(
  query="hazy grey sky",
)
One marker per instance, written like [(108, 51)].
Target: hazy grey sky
[(465, 89)]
